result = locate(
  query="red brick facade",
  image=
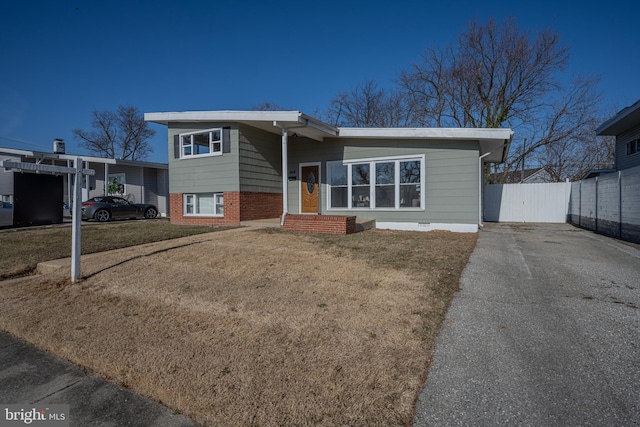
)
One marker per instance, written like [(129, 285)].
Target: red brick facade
[(330, 224), (248, 206), (259, 205), (238, 206)]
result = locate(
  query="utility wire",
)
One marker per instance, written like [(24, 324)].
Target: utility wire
[(40, 146)]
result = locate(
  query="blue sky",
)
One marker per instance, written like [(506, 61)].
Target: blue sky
[(59, 60)]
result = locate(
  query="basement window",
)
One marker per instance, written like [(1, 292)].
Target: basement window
[(204, 204)]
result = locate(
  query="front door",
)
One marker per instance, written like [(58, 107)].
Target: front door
[(309, 189)]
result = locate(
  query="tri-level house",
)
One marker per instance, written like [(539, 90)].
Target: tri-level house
[(226, 167)]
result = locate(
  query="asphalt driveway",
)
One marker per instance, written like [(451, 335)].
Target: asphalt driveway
[(545, 331)]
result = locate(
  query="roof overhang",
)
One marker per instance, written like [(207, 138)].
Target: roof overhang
[(493, 142), (621, 122), (41, 155), (270, 121)]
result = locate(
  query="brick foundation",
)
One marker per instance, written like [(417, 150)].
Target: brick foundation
[(238, 206), (330, 224), (259, 205)]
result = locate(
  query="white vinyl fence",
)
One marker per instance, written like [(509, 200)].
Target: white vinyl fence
[(527, 202)]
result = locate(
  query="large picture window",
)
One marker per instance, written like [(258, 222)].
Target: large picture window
[(385, 183), (204, 204), (201, 143), (339, 186)]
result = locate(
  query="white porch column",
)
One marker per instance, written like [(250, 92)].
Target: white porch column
[(285, 176), (106, 179)]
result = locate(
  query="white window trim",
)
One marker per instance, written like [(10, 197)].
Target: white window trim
[(372, 161), (203, 131), (121, 178), (195, 195), (299, 184)]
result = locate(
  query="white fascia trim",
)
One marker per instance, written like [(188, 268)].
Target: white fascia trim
[(283, 119), (417, 226), (427, 133), (225, 115)]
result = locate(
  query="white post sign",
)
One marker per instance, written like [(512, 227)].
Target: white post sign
[(78, 172)]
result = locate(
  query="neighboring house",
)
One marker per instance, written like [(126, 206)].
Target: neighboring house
[(528, 176), (608, 200), (226, 167), (625, 126), (139, 182)]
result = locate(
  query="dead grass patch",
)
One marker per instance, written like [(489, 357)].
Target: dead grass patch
[(22, 249), (258, 327)]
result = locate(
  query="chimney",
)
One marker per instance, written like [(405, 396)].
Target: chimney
[(58, 146)]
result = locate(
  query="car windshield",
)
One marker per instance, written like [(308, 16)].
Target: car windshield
[(120, 201)]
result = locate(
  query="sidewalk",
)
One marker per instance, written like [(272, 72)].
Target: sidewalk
[(31, 376)]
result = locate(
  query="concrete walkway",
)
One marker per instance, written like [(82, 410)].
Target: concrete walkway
[(545, 331)]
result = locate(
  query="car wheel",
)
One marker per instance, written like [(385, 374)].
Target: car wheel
[(102, 215), (150, 213)]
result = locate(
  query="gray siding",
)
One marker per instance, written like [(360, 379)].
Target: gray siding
[(134, 180), (6, 177), (150, 188), (451, 176), (260, 163), (624, 161), (204, 174)]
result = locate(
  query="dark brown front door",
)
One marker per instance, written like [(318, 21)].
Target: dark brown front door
[(309, 189)]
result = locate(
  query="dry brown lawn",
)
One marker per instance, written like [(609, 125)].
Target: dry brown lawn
[(257, 327), (21, 249)]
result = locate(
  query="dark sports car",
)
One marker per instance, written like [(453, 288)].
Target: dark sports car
[(104, 208)]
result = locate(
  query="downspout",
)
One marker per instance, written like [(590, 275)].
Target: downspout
[(285, 181), (480, 225)]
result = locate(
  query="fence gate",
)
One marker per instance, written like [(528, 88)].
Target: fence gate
[(527, 202)]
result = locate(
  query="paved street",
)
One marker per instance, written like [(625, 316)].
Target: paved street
[(545, 331)]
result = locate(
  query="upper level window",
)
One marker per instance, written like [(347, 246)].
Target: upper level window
[(633, 147), (201, 143), (385, 183)]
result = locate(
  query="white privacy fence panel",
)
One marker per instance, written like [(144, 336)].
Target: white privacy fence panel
[(527, 202), (608, 204)]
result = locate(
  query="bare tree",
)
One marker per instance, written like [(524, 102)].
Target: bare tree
[(122, 134), (367, 105), (268, 106), (498, 76)]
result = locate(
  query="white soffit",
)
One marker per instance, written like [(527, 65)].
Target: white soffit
[(428, 133), (270, 121), (491, 140), (302, 125)]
